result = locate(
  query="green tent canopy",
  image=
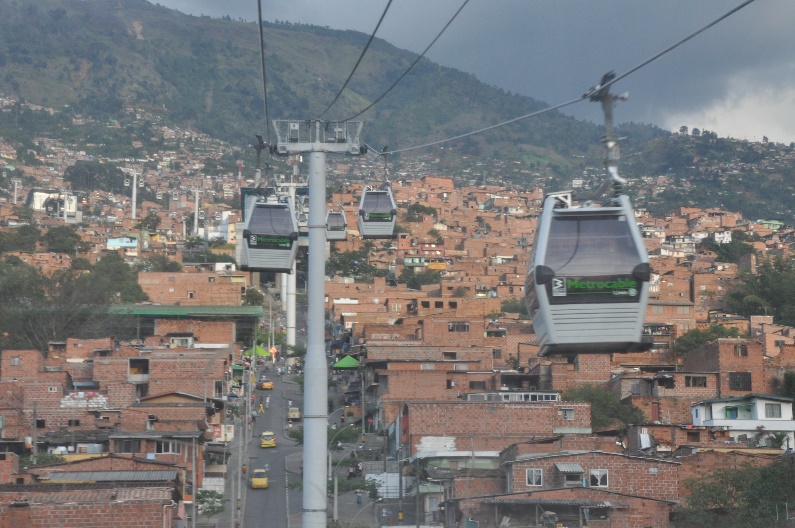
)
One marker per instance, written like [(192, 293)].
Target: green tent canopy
[(347, 362), (260, 351)]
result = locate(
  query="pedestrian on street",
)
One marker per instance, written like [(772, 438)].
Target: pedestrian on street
[(267, 402), (260, 408), (359, 497)]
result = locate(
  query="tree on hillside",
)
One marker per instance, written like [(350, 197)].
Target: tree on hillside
[(770, 291), (745, 497), (253, 297), (606, 409), (62, 239), (159, 262), (732, 251), (514, 305), (693, 339)]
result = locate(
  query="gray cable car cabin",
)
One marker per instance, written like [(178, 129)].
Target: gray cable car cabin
[(270, 237), (336, 225), (587, 284), (377, 214)]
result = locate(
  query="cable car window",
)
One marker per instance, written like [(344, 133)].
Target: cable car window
[(377, 206), (271, 221), (593, 258), (591, 245)]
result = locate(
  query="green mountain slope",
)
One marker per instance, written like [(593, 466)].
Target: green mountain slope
[(98, 56)]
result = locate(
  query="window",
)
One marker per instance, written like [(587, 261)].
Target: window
[(477, 385), (52, 389), (460, 366), (772, 410), (458, 327), (599, 478), (682, 310), (191, 295), (731, 413), (14, 362), (427, 366), (572, 479), (695, 381), (693, 436), (496, 353), (740, 381), (74, 423), (779, 343), (128, 446), (567, 414), (166, 446), (658, 310), (741, 350), (448, 355), (535, 477), (41, 424), (695, 412)]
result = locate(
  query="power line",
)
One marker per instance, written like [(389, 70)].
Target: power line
[(672, 47), (591, 92), (372, 36), (264, 79), (412, 64)]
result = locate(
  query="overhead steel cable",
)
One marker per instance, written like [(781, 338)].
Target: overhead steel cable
[(670, 48), (355, 66), (411, 66), (593, 91), (264, 78)]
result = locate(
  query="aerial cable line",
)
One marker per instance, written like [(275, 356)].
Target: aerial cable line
[(264, 79), (669, 48), (372, 36), (412, 64), (592, 92)]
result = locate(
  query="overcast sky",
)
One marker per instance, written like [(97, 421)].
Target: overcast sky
[(736, 79)]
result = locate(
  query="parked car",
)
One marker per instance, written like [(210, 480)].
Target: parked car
[(267, 439), (258, 479)]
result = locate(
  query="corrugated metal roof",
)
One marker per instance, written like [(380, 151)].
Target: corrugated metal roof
[(171, 310), (568, 467), (560, 502), (163, 475)]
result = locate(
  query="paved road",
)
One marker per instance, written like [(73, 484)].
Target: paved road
[(268, 508)]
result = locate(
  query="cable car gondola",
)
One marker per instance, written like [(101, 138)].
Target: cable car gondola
[(586, 289), (587, 280), (377, 214), (270, 238), (336, 225)]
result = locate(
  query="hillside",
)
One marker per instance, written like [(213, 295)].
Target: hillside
[(99, 56)]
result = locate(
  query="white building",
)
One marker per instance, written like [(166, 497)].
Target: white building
[(748, 418)]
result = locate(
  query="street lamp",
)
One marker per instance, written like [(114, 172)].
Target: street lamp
[(331, 443)]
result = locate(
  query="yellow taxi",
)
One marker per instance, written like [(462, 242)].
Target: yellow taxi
[(265, 384), (294, 413), (258, 479), (267, 439)]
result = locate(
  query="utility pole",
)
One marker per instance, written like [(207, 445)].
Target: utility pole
[(316, 138), (134, 193), (16, 182), (196, 212)]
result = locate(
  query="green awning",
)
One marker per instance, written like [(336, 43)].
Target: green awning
[(347, 362), (260, 351), (238, 367)]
